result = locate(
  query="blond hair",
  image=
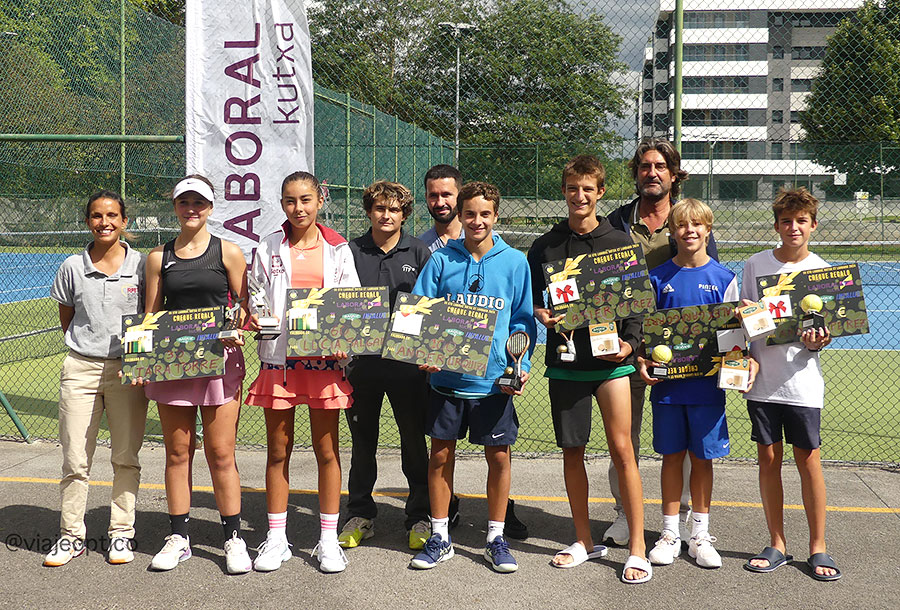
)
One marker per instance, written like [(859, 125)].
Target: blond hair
[(689, 209)]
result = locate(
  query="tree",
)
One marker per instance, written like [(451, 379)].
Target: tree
[(854, 107)]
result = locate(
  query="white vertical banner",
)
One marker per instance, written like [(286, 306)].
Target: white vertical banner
[(249, 108)]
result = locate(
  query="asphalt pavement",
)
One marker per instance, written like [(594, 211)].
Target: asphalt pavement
[(863, 525)]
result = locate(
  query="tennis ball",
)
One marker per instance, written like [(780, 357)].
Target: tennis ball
[(509, 370), (661, 353), (811, 302), (562, 348)]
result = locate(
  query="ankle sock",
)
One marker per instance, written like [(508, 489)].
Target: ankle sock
[(179, 524), (442, 527), (670, 522), (495, 528), (277, 524), (328, 527), (231, 525), (699, 524)]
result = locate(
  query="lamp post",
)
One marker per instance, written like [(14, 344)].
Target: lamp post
[(457, 30)]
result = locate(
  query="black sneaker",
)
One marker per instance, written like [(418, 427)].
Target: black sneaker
[(454, 511), (513, 527)]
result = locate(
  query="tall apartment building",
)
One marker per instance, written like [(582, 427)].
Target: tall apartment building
[(747, 69)]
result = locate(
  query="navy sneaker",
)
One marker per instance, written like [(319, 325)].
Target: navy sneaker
[(435, 551), (497, 553)]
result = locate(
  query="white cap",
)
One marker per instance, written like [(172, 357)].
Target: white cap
[(194, 185)]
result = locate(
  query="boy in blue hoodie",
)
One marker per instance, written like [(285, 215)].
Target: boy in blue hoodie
[(480, 269)]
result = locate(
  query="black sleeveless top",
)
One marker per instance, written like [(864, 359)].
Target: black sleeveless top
[(194, 282)]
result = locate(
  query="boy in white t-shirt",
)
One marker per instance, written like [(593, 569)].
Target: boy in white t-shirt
[(786, 399)]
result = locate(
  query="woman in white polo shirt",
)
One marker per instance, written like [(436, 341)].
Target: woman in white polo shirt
[(94, 289)]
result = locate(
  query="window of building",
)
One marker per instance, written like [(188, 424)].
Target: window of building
[(716, 84), (648, 71), (661, 123), (776, 19), (777, 150), (716, 52), (801, 85), (808, 20), (778, 116), (661, 91), (808, 53), (778, 52), (798, 151), (795, 117), (715, 117), (737, 189), (694, 150), (648, 119), (648, 95), (716, 19), (784, 185), (777, 84), (662, 29), (662, 61)]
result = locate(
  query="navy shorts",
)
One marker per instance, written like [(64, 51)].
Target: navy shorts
[(802, 425), (490, 421), (700, 428)]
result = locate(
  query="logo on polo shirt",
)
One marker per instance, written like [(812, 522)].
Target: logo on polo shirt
[(130, 291), (408, 269), (667, 289)]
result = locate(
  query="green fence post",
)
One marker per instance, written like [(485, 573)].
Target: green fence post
[(347, 159), (15, 419), (679, 50), (122, 96)]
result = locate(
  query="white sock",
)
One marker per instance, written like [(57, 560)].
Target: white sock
[(442, 527), (495, 528), (700, 524), (328, 524), (670, 522), (277, 525)]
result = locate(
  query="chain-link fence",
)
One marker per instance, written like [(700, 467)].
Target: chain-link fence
[(772, 94)]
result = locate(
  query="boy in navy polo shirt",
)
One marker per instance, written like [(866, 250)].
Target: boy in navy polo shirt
[(387, 256), (689, 414)]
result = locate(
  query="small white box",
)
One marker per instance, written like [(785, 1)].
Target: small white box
[(756, 321), (604, 339), (734, 374), (729, 339)]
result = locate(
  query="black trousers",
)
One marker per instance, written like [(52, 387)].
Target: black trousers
[(407, 391)]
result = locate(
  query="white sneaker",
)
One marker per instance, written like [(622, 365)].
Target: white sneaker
[(64, 551), (273, 552), (237, 560), (618, 532), (666, 549), (685, 524), (120, 550), (174, 551), (331, 556), (700, 548)]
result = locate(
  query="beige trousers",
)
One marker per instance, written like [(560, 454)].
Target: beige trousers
[(88, 387)]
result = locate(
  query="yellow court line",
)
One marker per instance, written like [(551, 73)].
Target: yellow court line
[(395, 494)]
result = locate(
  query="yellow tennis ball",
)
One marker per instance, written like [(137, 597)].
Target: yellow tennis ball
[(811, 302), (661, 353)]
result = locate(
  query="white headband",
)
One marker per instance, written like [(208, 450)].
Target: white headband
[(193, 185)]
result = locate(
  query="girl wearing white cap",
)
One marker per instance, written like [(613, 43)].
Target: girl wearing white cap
[(197, 269)]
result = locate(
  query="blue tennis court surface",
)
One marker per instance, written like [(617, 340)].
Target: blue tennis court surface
[(29, 276)]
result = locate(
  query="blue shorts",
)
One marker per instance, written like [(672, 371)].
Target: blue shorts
[(700, 428), (491, 421)]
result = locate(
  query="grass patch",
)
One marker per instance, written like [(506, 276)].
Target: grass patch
[(859, 422)]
